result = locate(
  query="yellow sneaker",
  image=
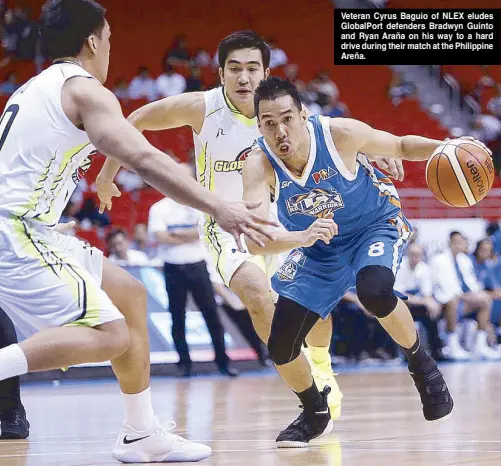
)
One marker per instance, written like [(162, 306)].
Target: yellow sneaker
[(321, 370)]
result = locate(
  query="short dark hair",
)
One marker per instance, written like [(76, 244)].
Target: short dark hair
[(272, 88), (246, 39), (479, 243), (114, 233), (455, 233), (65, 25)]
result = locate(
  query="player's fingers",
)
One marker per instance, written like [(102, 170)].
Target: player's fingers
[(323, 235), (263, 221), (329, 215), (238, 241), (329, 228), (400, 170), (102, 205)]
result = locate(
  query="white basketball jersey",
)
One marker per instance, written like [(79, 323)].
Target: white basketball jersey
[(224, 142), (42, 154)]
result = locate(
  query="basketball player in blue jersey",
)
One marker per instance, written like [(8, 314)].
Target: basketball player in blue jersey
[(345, 228)]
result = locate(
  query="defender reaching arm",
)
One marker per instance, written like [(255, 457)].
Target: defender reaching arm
[(172, 112), (98, 111), (258, 179)]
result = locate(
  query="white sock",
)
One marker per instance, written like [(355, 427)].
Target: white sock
[(139, 410), (12, 362), (481, 338)]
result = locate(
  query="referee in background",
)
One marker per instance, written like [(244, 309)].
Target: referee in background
[(175, 228)]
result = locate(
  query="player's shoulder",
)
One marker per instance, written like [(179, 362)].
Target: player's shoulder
[(258, 163), (346, 129), (83, 89)]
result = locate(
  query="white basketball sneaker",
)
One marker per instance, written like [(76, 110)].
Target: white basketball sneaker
[(157, 446)]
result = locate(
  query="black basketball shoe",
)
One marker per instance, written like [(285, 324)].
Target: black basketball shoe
[(308, 426), (14, 424), (435, 397)]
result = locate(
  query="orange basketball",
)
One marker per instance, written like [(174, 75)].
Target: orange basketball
[(460, 173)]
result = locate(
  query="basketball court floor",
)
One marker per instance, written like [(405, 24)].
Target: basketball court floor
[(75, 423)]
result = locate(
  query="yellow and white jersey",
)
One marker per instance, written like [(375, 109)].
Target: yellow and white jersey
[(224, 142), (42, 154)]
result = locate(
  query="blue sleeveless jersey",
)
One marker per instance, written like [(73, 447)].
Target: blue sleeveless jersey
[(358, 201), (366, 208)]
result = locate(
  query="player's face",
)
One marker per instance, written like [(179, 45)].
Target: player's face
[(243, 71), (100, 45), (415, 255), (459, 244), (282, 125), (118, 245), (484, 251)]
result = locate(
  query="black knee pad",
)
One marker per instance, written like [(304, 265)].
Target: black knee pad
[(375, 290), (282, 350), (291, 323)]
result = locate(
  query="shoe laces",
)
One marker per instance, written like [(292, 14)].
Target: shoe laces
[(165, 431)]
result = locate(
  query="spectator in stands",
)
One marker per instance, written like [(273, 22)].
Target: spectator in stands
[(324, 88), (486, 128), (129, 181), (291, 73), (335, 109), (89, 216), (202, 58), (121, 253), (454, 280), (494, 104), (28, 37), (10, 84), (175, 227), (143, 86), (414, 280), (483, 262), (11, 35), (179, 53), (399, 89), (194, 82), (141, 241), (169, 82), (277, 56), (494, 233), (121, 89), (366, 339)]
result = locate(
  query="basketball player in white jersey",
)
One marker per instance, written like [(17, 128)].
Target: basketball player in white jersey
[(224, 130), (65, 294)]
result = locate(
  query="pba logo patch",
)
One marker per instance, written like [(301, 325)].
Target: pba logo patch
[(237, 165), (316, 203), (323, 174), (287, 272)]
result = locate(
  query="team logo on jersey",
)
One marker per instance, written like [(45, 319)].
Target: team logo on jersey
[(316, 203), (80, 172), (287, 272), (323, 174), (236, 165)]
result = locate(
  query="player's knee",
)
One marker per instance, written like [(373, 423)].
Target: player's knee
[(283, 350), (138, 293), (119, 340), (375, 290)]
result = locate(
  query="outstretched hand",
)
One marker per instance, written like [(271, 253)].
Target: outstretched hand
[(237, 218)]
